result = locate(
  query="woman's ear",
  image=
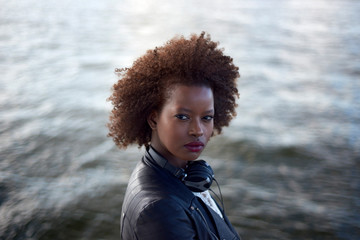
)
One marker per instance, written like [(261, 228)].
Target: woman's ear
[(152, 119)]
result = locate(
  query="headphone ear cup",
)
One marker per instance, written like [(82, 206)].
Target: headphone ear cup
[(199, 176)]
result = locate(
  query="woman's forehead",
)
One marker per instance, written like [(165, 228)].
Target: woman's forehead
[(188, 97)]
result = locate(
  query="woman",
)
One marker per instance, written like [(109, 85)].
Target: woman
[(172, 101)]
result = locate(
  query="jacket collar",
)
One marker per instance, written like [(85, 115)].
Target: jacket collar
[(174, 183)]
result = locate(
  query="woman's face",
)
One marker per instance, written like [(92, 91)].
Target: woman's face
[(183, 127)]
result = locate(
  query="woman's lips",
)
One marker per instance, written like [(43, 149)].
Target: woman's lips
[(195, 146)]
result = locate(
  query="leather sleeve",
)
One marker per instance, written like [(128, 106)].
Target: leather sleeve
[(164, 219)]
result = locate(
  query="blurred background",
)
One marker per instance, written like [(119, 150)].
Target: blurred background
[(288, 165)]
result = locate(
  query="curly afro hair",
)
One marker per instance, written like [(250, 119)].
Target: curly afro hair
[(143, 88)]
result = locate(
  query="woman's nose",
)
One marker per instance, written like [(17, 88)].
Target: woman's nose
[(196, 129)]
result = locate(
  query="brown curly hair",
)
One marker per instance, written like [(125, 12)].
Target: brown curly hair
[(143, 88)]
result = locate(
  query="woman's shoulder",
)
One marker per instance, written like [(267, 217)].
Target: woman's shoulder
[(150, 183), (152, 200), (164, 219)]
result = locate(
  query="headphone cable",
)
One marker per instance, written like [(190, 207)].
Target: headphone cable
[(219, 198)]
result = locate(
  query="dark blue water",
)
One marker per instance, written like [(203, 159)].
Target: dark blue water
[(288, 165)]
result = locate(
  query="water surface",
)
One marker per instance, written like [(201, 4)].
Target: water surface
[(288, 165)]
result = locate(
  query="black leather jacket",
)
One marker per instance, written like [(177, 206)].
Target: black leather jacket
[(158, 206)]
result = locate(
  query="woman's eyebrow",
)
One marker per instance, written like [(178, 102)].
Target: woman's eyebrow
[(190, 111), (209, 111)]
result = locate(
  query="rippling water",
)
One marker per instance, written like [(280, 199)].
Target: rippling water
[(288, 165)]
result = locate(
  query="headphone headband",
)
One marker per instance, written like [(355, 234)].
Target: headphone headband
[(197, 176), (162, 162)]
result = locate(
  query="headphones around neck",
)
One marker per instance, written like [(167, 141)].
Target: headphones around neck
[(197, 176)]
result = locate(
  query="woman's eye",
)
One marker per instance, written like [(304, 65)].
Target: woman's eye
[(208, 118), (182, 117)]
